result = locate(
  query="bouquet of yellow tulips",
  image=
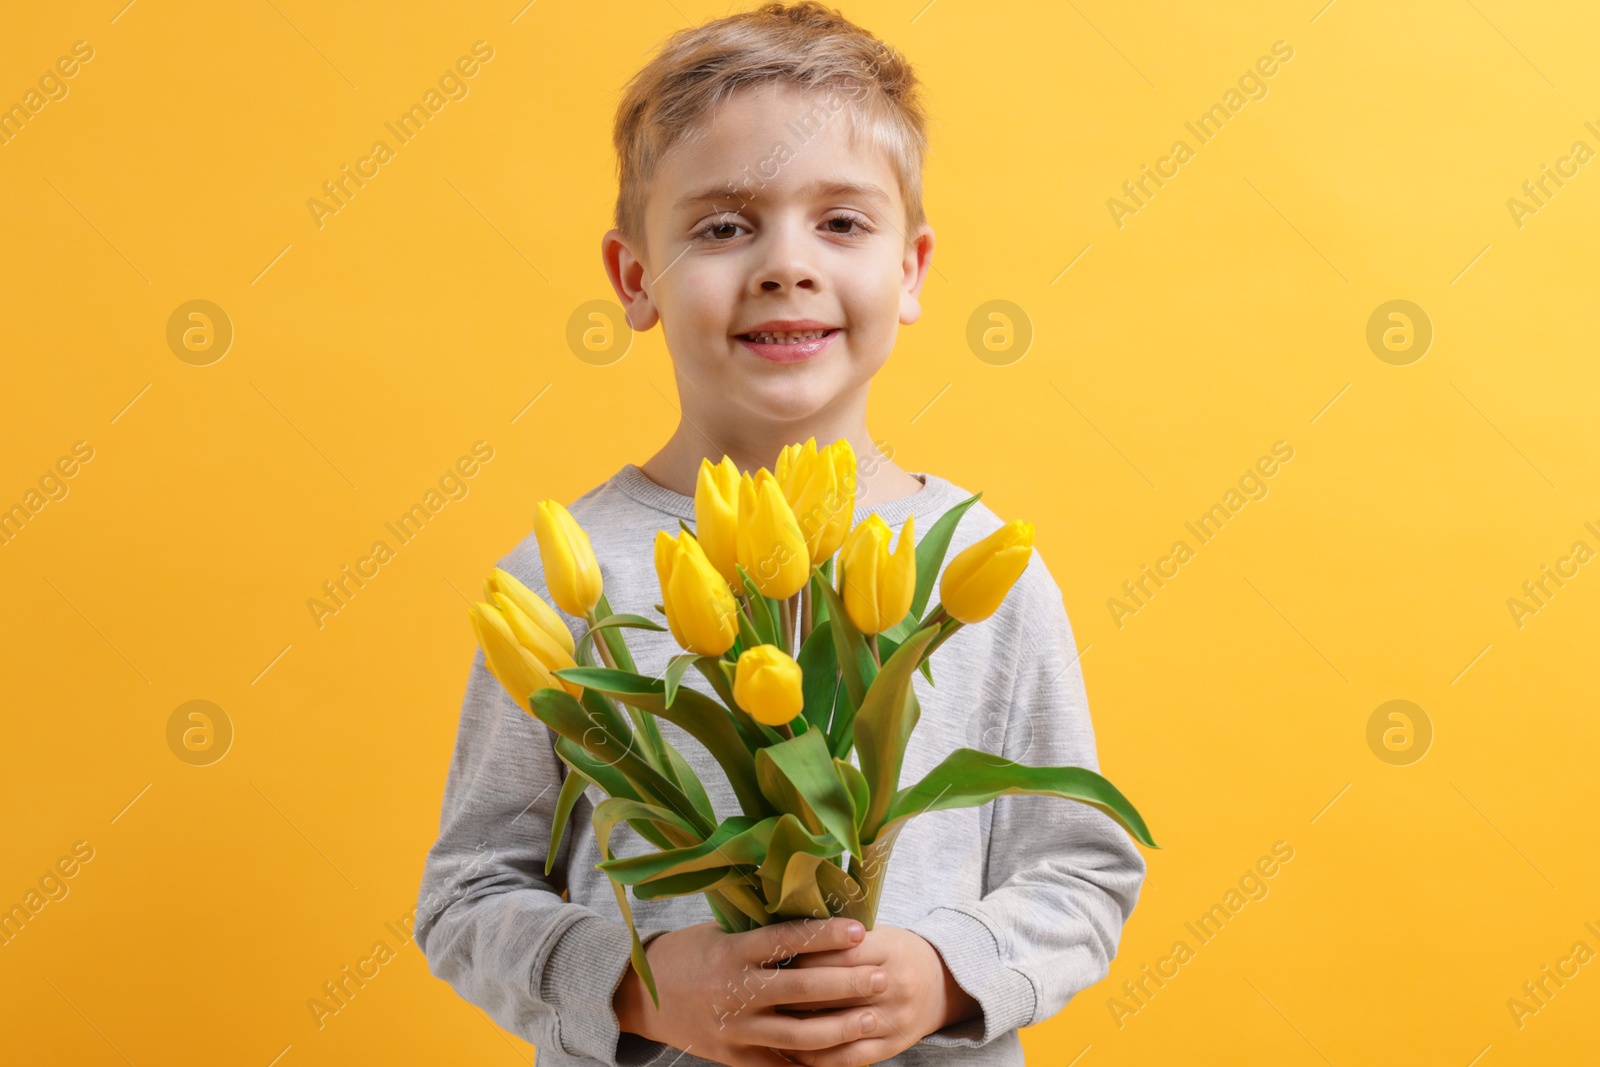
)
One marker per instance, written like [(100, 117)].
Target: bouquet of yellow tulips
[(757, 580)]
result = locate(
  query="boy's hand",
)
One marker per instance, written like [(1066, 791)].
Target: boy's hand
[(919, 998), (720, 992)]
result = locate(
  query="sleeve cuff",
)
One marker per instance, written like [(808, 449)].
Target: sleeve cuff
[(579, 980), (972, 954)]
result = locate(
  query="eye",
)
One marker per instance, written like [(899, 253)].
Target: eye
[(850, 218), (721, 222)]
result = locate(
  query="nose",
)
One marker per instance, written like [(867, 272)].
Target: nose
[(786, 259)]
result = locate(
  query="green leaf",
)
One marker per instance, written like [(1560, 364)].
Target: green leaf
[(572, 787), (739, 840), (842, 893), (931, 550), (789, 872), (758, 733), (799, 777), (605, 712), (616, 683), (715, 670), (819, 671), (606, 817), (653, 744), (719, 672), (602, 774), (895, 636), (695, 713), (760, 616), (612, 782), (884, 725), (969, 777), (682, 885), (841, 732), (631, 622), (855, 783), (827, 569), (730, 918), (674, 674), (850, 649), (557, 709), (749, 636), (614, 640), (692, 786)]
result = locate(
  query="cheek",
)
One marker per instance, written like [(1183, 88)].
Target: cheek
[(696, 304), (872, 306)]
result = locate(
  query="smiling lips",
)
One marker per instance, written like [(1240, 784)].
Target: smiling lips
[(788, 346)]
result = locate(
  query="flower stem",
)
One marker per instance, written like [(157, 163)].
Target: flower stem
[(806, 625), (652, 744), (786, 612)]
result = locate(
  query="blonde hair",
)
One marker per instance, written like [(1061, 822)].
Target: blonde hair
[(805, 45)]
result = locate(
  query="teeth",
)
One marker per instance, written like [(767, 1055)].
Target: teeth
[(788, 338)]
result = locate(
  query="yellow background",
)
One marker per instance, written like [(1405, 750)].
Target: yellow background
[(1230, 312)]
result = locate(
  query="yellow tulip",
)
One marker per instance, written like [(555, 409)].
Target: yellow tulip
[(531, 636), (771, 546), (878, 587), (767, 684), (821, 491), (516, 668), (716, 514), (570, 569), (978, 579), (532, 604), (701, 610)]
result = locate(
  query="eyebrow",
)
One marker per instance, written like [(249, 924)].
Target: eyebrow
[(818, 188)]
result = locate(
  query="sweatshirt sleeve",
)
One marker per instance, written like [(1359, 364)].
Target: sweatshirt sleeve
[(488, 920), (1061, 877)]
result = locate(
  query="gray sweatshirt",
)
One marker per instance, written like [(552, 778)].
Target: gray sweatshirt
[(1024, 898)]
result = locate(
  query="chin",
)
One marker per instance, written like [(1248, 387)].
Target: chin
[(790, 400)]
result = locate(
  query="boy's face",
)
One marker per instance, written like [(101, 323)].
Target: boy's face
[(749, 225)]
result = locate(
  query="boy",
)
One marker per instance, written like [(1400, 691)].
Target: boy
[(780, 269)]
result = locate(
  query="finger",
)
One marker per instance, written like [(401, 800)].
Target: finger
[(761, 1057), (807, 1010), (854, 1054), (867, 952), (796, 987), (781, 940), (822, 1030)]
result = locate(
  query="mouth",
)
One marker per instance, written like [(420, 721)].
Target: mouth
[(788, 346)]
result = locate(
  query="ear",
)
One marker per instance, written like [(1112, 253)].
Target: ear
[(914, 271), (627, 271)]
